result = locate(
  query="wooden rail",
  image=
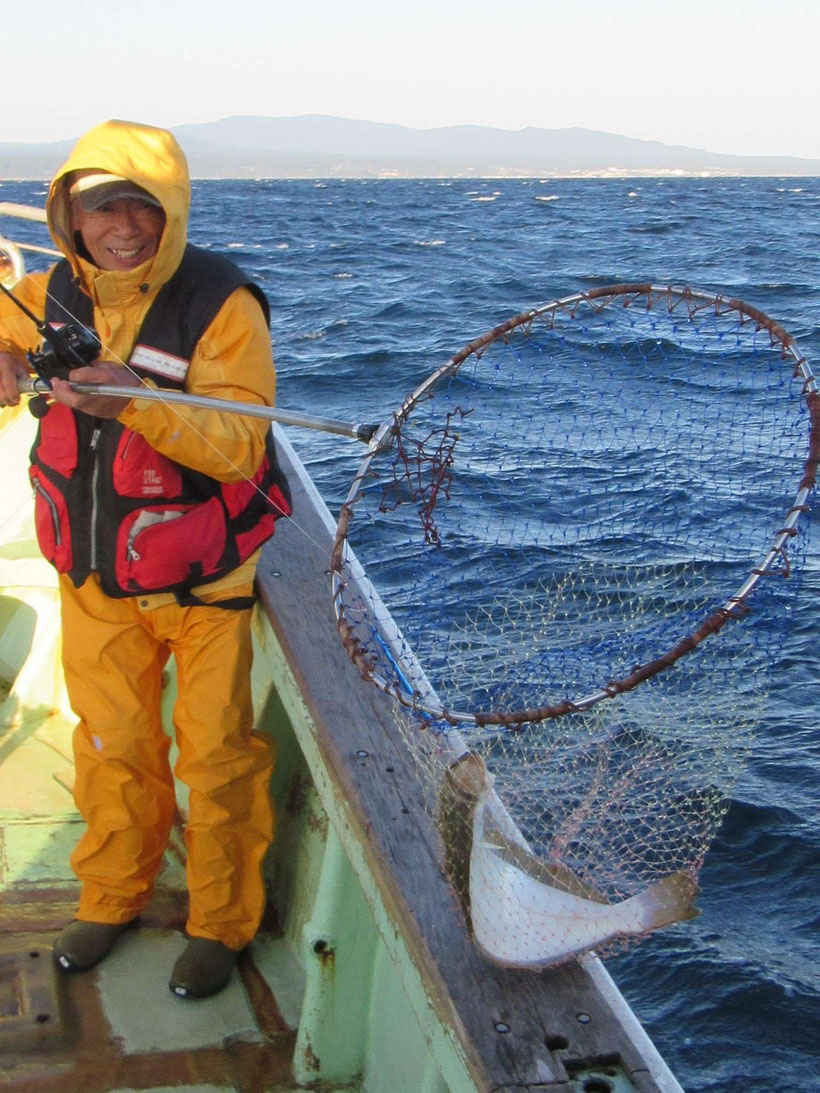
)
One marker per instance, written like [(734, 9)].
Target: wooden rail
[(22, 212)]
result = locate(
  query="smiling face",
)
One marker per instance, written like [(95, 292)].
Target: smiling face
[(120, 234)]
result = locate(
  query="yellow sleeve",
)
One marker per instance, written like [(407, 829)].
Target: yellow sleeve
[(233, 360), (17, 332)]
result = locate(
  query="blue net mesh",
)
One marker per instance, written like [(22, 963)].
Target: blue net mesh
[(586, 533)]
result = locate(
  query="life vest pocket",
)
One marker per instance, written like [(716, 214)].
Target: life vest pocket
[(240, 497), (247, 541), (280, 505), (140, 471), (163, 547), (51, 522), (57, 443)]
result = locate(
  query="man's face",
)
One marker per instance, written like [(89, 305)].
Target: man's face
[(120, 234)]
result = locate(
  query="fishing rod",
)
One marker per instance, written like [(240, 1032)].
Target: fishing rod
[(73, 346)]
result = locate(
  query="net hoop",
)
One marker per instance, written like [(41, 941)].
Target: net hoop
[(412, 689)]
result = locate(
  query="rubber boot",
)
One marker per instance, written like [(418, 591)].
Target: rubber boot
[(81, 945), (203, 969)]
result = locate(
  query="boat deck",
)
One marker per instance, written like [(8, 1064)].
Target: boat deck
[(117, 1027)]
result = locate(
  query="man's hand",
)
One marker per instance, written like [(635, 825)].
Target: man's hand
[(11, 369), (96, 405)]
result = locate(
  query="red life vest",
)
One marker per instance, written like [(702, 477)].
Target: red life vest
[(106, 501)]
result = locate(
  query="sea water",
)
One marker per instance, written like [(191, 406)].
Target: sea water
[(375, 283)]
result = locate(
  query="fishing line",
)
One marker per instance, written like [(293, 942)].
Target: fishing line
[(159, 396)]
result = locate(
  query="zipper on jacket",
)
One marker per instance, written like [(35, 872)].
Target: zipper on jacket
[(95, 476)]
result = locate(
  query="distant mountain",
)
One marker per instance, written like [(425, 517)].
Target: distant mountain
[(32, 160), (320, 146)]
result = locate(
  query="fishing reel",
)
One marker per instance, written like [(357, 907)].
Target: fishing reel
[(63, 348), (67, 347)]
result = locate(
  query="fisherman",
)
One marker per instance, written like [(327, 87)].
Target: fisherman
[(154, 517)]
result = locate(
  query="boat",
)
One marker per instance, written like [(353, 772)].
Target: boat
[(363, 978)]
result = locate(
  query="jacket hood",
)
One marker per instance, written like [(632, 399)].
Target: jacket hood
[(153, 160)]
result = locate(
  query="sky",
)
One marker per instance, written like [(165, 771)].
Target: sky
[(733, 76)]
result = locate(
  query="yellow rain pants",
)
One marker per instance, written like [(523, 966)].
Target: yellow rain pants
[(114, 652)]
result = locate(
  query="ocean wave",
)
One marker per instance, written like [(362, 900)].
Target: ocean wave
[(662, 228)]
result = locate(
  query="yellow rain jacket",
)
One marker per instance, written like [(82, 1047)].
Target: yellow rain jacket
[(115, 649), (233, 359)]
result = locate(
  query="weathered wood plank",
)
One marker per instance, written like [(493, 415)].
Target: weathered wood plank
[(516, 1028)]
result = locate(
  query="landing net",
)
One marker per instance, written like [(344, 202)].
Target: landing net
[(587, 528)]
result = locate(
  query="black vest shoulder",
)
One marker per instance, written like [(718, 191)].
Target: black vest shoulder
[(188, 303)]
